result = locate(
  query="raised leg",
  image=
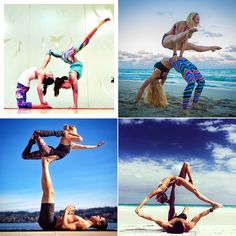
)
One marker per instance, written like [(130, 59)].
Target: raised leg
[(186, 171), (43, 147), (198, 48), (89, 36), (28, 155), (194, 190), (47, 188), (70, 53)]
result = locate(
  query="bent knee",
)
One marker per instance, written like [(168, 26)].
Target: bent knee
[(186, 163), (191, 82), (24, 156)]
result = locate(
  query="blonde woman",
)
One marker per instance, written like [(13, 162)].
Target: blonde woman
[(68, 136), (154, 85), (177, 37)]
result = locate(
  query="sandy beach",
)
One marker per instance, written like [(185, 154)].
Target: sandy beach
[(220, 222), (213, 102)]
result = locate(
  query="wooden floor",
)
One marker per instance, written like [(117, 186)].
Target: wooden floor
[(59, 233), (61, 111)]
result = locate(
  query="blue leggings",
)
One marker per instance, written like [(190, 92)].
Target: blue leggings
[(21, 91)]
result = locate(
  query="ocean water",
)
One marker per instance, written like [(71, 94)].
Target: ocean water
[(181, 205), (215, 78), (35, 226)]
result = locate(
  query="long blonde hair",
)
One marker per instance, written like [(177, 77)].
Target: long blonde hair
[(155, 95), (190, 21)]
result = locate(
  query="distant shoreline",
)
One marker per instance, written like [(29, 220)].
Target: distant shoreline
[(31, 217)]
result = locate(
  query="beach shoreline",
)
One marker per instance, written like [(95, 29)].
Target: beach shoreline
[(220, 222), (213, 102)]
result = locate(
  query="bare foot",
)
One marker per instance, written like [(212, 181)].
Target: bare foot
[(217, 205), (48, 160), (107, 19), (214, 48), (73, 107), (45, 106), (100, 143)]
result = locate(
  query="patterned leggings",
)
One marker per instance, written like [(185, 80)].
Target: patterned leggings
[(44, 149), (191, 75), (21, 91), (68, 55)]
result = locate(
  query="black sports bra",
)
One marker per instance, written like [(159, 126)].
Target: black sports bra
[(162, 68)]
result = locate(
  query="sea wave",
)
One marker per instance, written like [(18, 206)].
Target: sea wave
[(215, 78)]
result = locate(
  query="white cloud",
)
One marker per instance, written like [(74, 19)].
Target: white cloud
[(224, 156), (139, 176), (131, 121), (217, 126)]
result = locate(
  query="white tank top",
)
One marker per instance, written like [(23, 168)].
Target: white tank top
[(27, 76)]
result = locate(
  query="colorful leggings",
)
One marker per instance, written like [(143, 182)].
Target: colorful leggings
[(21, 91), (68, 55), (44, 149), (191, 75)]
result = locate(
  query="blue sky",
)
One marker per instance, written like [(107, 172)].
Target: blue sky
[(143, 23), (152, 149), (86, 178)]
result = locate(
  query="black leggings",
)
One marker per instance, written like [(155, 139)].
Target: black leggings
[(44, 149)]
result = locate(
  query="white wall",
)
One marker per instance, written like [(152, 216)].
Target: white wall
[(30, 30)]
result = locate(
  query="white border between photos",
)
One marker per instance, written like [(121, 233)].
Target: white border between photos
[(114, 114)]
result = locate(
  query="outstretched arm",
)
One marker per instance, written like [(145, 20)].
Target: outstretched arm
[(46, 61), (171, 213), (155, 75), (195, 220), (183, 46), (80, 146), (147, 199), (90, 35), (162, 224)]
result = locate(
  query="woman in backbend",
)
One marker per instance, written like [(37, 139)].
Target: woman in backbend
[(23, 85), (67, 135), (155, 92), (167, 182), (177, 37), (76, 66)]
